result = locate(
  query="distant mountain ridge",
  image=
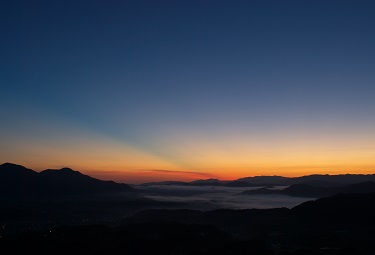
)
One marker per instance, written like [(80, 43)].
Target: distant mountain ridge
[(19, 180), (314, 179), (307, 190), (317, 180), (207, 182)]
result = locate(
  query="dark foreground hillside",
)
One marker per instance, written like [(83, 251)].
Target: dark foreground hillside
[(341, 224), (19, 183)]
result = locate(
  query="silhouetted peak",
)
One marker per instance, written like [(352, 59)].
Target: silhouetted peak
[(12, 166), (206, 180), (9, 164), (15, 169), (67, 170), (64, 170)]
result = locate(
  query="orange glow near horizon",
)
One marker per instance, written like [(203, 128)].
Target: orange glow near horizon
[(189, 154), (129, 173), (136, 176), (113, 161), (141, 176), (123, 164)]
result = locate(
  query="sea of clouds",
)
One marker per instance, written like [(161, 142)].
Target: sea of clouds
[(216, 197)]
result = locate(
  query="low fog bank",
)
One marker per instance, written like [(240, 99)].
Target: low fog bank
[(214, 197)]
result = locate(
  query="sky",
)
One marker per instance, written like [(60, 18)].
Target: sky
[(137, 91)]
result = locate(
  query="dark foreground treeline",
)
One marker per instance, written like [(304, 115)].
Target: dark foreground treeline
[(150, 238), (342, 224)]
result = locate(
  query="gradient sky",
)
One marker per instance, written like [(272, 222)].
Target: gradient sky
[(139, 91)]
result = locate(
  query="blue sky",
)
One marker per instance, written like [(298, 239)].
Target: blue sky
[(185, 82)]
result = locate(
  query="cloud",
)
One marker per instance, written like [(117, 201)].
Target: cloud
[(208, 197), (176, 172)]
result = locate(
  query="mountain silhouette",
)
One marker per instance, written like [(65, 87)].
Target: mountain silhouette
[(14, 171), (212, 181), (341, 209), (341, 224), (206, 182), (21, 181), (317, 180), (344, 210), (324, 180), (307, 190), (17, 179)]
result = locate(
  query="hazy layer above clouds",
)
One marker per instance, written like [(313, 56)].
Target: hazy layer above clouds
[(213, 197)]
